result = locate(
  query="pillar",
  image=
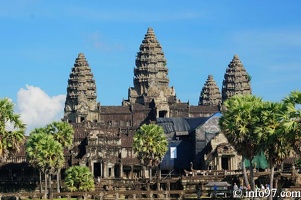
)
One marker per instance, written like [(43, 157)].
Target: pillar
[(219, 167), (104, 170), (132, 172), (121, 170)]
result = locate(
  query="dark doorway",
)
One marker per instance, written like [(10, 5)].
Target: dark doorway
[(162, 113), (117, 171), (97, 169), (225, 163)]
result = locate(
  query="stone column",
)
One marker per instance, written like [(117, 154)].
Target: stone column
[(113, 171), (105, 170), (219, 167), (132, 172)]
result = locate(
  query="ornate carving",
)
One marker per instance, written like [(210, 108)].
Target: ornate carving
[(210, 94), (150, 71), (236, 80), (81, 90)]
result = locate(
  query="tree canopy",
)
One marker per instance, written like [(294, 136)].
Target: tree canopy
[(12, 130), (150, 144), (44, 152), (79, 178)]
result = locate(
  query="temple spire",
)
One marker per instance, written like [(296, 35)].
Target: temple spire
[(150, 74), (210, 94), (236, 80), (81, 92)]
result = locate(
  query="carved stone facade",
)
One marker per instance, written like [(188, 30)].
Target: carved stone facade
[(210, 94), (81, 103), (236, 80), (151, 73), (221, 155), (104, 134)]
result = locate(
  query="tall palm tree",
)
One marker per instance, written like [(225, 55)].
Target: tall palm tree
[(12, 130), (241, 116), (150, 145), (274, 140), (64, 134), (45, 153), (79, 178), (293, 120)]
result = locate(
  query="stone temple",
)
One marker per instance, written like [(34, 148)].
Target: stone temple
[(104, 134)]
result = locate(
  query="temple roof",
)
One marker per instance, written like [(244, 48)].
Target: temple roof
[(150, 74), (236, 79), (210, 94)]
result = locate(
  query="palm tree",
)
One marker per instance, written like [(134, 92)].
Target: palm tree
[(63, 133), (274, 140), (32, 150), (241, 116), (45, 153), (79, 178), (150, 145), (292, 122), (12, 130)]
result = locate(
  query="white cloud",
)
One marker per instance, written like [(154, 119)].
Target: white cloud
[(37, 108)]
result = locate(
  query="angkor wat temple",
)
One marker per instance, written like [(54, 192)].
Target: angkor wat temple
[(103, 134)]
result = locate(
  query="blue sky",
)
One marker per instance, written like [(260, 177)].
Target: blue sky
[(41, 39)]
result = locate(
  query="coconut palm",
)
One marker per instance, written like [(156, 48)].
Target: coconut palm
[(150, 145), (12, 129), (79, 178), (241, 116), (63, 133), (45, 153)]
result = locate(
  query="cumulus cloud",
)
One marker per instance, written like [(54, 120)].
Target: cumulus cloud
[(37, 108)]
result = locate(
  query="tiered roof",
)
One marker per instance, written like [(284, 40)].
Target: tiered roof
[(150, 71), (210, 94), (81, 89), (236, 80)]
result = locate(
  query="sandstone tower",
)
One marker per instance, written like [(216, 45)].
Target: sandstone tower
[(210, 94), (236, 80), (150, 74), (151, 82), (81, 97)]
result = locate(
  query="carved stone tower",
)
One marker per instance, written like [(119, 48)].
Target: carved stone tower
[(151, 83), (236, 80), (210, 94), (81, 97)]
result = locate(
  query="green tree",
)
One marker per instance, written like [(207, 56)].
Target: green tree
[(45, 153), (150, 145), (79, 178), (63, 133), (12, 130), (292, 121), (241, 117), (275, 143)]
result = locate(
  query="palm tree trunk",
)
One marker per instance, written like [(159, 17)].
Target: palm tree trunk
[(271, 182), (252, 176), (58, 180), (150, 174), (41, 187), (244, 171), (45, 188), (49, 192)]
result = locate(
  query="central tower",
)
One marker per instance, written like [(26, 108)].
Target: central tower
[(151, 82)]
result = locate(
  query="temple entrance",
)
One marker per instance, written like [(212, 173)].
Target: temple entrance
[(162, 113), (225, 163), (96, 169)]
